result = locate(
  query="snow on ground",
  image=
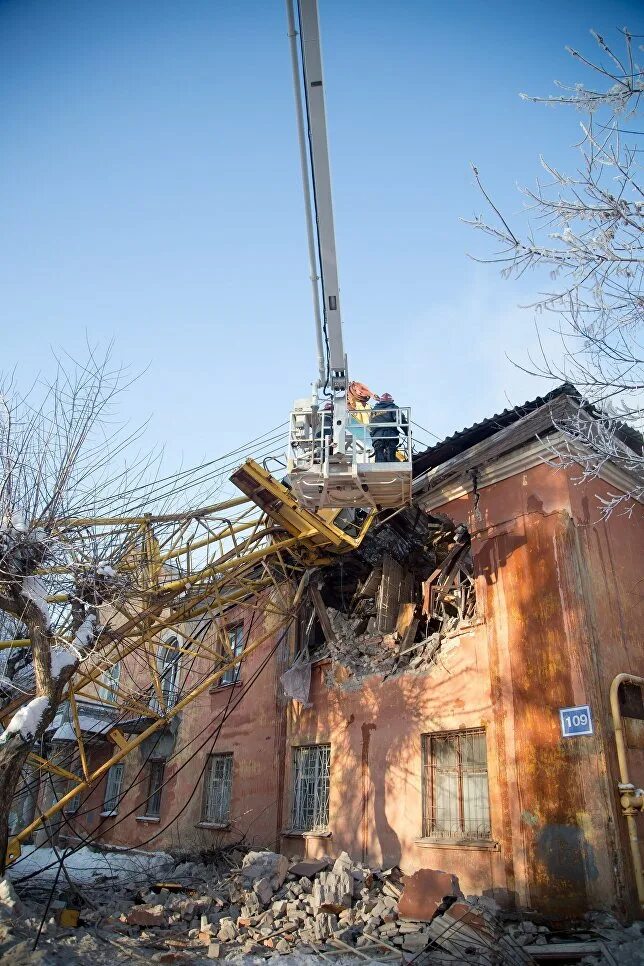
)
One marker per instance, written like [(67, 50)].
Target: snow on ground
[(86, 865)]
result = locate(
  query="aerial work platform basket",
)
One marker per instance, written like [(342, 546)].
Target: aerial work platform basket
[(375, 470)]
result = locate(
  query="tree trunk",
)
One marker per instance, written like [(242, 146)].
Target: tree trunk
[(13, 756)]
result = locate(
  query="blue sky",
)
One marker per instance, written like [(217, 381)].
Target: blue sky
[(150, 195)]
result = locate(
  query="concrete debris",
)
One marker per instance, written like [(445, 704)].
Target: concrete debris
[(267, 905), (426, 892), (264, 865), (296, 682), (10, 905)]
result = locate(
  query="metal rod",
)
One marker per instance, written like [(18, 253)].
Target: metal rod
[(624, 777)]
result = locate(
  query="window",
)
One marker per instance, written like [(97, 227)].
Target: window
[(455, 791), (217, 789), (155, 788), (23, 803), (236, 641), (311, 788), (74, 803), (630, 700), (111, 679), (168, 656), (113, 788)]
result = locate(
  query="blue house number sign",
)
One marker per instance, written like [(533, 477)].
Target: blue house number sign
[(576, 721)]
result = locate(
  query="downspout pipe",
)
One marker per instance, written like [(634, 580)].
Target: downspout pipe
[(308, 209), (631, 799)]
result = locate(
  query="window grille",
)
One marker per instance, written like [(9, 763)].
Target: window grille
[(113, 788), (218, 789), (456, 801), (155, 788), (311, 776), (236, 641)]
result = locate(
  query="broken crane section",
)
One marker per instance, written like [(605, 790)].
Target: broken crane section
[(397, 584)]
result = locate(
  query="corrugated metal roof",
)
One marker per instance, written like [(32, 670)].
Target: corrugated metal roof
[(471, 435)]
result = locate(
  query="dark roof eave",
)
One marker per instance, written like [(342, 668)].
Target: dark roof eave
[(458, 442)]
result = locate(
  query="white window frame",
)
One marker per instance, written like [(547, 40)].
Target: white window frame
[(113, 789), (168, 662), (237, 643), (218, 788), (73, 804), (111, 678)]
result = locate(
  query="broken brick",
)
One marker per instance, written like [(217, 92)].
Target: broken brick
[(424, 892)]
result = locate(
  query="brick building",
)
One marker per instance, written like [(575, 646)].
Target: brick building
[(454, 760)]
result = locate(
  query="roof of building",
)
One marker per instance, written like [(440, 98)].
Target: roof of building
[(465, 438)]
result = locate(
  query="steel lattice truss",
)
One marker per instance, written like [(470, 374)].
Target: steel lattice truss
[(171, 578)]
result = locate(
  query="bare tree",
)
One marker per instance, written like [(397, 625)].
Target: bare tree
[(59, 459), (588, 236)]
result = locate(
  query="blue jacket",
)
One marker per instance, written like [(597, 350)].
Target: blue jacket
[(381, 421)]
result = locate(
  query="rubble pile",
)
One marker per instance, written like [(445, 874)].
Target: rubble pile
[(383, 654), (270, 906), (389, 606)]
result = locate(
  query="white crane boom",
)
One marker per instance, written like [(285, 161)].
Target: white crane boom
[(321, 176), (332, 457)]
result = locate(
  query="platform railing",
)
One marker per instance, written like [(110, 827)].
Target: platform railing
[(368, 436)]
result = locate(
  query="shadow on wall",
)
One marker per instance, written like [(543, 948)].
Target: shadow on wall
[(386, 837), (490, 555), (546, 629), (377, 760)]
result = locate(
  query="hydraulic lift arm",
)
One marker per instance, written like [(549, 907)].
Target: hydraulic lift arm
[(316, 175)]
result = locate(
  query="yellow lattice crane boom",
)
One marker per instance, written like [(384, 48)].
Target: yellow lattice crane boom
[(176, 570)]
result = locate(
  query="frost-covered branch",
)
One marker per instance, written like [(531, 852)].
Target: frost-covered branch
[(585, 242)]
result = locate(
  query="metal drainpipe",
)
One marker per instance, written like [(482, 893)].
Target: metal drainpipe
[(631, 799)]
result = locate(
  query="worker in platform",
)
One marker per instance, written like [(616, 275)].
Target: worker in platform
[(384, 428), (358, 396)]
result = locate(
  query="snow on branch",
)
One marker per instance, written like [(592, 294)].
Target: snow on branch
[(26, 720), (583, 236)]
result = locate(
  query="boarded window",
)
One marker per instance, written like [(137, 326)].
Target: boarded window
[(113, 788), (311, 771), (236, 642), (218, 789), (155, 788), (455, 788), (630, 700)]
